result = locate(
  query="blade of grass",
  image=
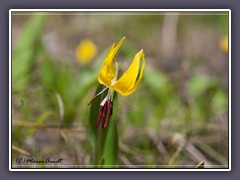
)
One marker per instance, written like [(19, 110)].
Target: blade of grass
[(200, 165), (40, 120), (26, 49), (94, 110), (110, 149), (20, 150), (212, 153)]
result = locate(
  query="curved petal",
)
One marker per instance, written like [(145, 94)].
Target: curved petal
[(107, 70), (129, 82)]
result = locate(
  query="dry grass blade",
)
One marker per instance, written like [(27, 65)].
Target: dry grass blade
[(20, 150), (200, 165), (195, 154), (73, 127), (213, 153), (159, 144), (126, 162)]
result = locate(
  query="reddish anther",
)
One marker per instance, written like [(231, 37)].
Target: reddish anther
[(104, 114), (99, 116), (109, 113), (105, 111)]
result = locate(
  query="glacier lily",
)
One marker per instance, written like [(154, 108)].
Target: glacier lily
[(125, 85)]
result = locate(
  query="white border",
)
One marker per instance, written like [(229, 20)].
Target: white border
[(114, 10)]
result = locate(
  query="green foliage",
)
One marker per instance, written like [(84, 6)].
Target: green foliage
[(219, 100), (104, 142), (93, 131), (198, 84), (110, 146), (215, 97), (26, 51), (39, 120), (71, 83)]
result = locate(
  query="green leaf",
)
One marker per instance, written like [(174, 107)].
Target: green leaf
[(48, 71), (110, 148), (102, 162), (93, 118), (25, 51), (200, 165), (104, 142)]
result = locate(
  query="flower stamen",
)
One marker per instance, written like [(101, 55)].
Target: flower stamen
[(105, 113), (94, 97), (109, 113), (99, 116)]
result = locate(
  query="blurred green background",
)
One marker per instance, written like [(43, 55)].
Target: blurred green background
[(177, 117)]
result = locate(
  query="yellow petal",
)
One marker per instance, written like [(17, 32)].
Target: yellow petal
[(107, 71), (129, 82)]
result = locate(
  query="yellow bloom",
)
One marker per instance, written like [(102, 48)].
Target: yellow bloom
[(85, 51), (128, 82), (125, 85), (224, 43)]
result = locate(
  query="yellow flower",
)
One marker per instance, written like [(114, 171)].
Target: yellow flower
[(224, 43), (128, 82), (85, 51), (125, 85)]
